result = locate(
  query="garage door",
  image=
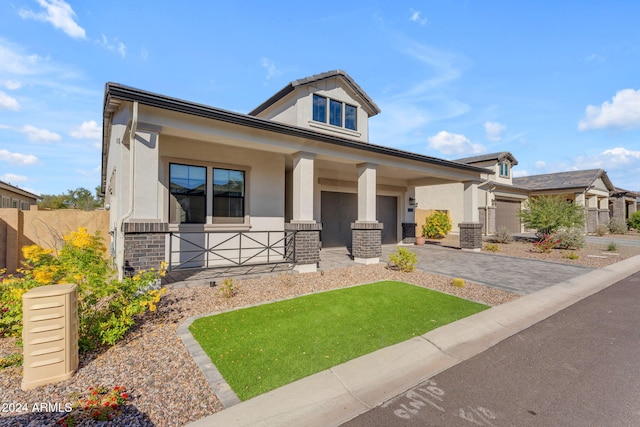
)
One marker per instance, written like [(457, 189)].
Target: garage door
[(339, 210), (507, 215)]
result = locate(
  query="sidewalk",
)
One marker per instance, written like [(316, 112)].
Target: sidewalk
[(339, 394)]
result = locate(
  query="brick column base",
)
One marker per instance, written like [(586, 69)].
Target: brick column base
[(144, 245), (470, 236), (603, 216), (409, 232), (307, 245), (366, 242), (592, 220)]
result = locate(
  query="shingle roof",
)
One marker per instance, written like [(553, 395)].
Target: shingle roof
[(498, 157), (561, 180), (370, 106)]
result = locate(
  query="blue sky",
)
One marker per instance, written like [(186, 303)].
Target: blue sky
[(555, 83)]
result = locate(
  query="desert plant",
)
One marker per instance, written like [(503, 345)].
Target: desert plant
[(107, 308), (228, 289), (634, 221), (436, 225), (403, 260), (458, 282), (570, 238), (617, 226), (571, 255), (491, 247), (547, 214), (612, 247), (545, 244), (503, 235), (602, 230)]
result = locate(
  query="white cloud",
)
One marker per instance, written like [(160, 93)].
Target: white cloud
[(494, 131), (11, 84), (8, 103), (113, 46), (270, 66), (595, 57), (17, 158), (520, 173), (540, 164), (451, 143), (59, 14), (39, 135), (622, 112), (88, 130), (12, 62), (13, 178), (416, 16)]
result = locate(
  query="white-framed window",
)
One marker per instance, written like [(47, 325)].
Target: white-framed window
[(206, 194), (504, 169), (24, 206), (336, 113)]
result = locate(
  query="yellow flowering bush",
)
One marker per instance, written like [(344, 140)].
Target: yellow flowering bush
[(107, 308), (436, 225)]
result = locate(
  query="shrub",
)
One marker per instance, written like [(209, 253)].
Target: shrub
[(436, 225), (228, 289), (617, 226), (634, 221), (547, 214), (458, 282), (491, 247), (502, 235), (571, 255), (545, 244), (612, 247), (107, 308), (403, 260), (570, 238), (602, 230)]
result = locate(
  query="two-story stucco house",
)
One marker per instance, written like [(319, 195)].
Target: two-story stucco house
[(198, 186)]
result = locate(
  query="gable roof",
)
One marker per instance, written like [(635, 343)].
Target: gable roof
[(370, 107), (564, 180), (498, 157)]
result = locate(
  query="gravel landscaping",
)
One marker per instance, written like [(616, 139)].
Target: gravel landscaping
[(166, 387)]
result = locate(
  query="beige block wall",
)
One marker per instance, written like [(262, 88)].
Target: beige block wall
[(45, 228)]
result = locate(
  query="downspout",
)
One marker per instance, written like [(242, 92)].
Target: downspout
[(127, 215)]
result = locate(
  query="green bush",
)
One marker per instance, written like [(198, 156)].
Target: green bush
[(458, 282), (403, 260), (547, 214), (570, 238), (612, 247), (571, 255), (634, 221), (602, 230), (617, 226), (228, 289), (106, 307), (437, 225)]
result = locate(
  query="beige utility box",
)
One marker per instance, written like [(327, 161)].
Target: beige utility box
[(49, 334)]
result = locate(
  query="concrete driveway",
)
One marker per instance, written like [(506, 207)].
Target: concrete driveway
[(519, 275)]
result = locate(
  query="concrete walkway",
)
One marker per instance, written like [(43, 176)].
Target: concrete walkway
[(334, 396)]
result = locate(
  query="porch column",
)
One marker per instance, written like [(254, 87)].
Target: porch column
[(592, 214), (366, 232), (470, 228), (307, 237), (603, 211)]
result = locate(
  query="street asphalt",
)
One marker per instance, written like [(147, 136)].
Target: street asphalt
[(339, 394)]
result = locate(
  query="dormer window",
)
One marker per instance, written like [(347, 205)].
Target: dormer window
[(340, 114), (504, 169)]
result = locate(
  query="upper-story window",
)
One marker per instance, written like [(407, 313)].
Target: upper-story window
[(340, 114), (504, 169)]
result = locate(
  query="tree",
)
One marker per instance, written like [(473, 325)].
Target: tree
[(547, 214), (80, 198)]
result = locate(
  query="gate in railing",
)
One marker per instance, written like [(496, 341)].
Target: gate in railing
[(210, 249)]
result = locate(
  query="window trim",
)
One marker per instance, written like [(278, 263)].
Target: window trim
[(328, 117), (206, 185), (507, 169), (208, 224), (229, 219)]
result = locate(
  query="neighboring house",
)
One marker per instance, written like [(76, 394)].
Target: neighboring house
[(622, 203), (499, 200), (589, 188), (17, 198), (198, 186)]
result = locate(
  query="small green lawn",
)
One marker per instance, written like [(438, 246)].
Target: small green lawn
[(258, 349)]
